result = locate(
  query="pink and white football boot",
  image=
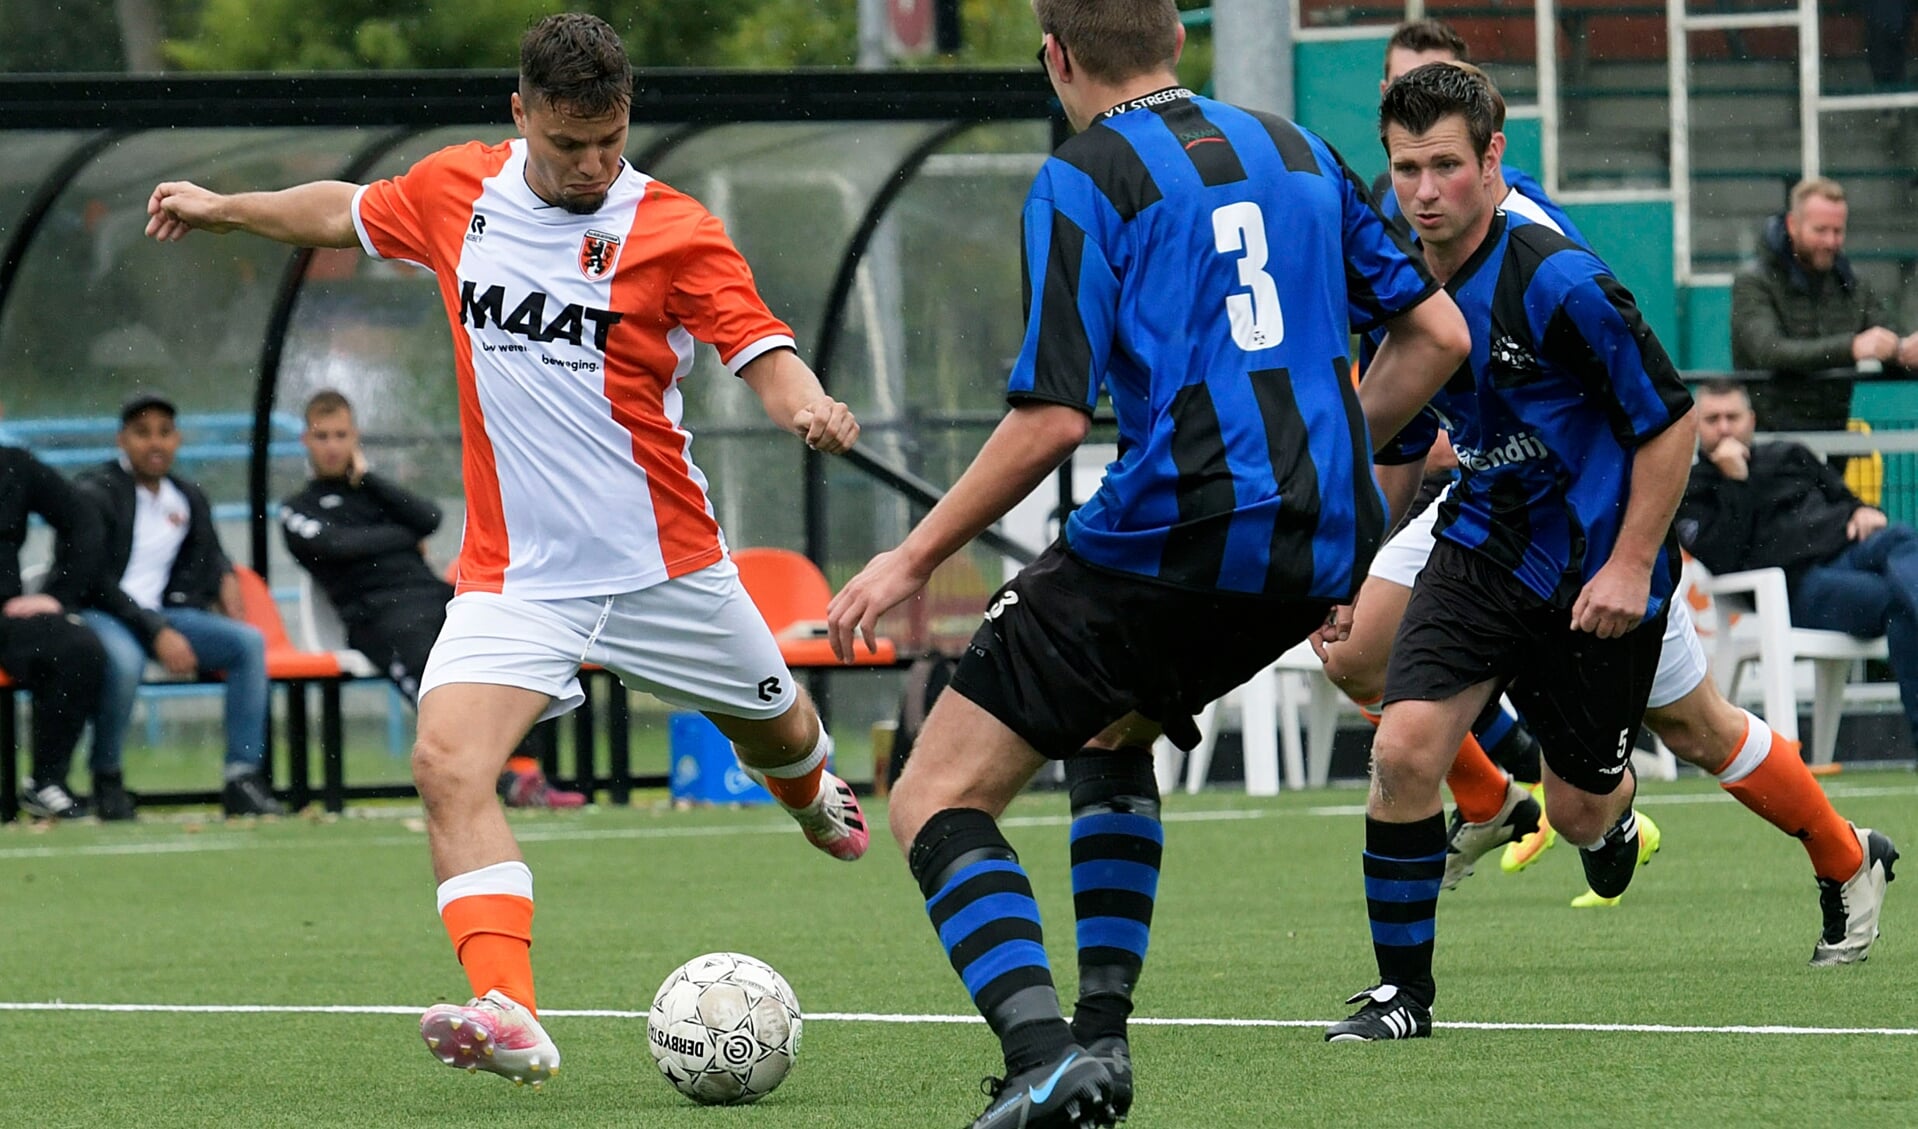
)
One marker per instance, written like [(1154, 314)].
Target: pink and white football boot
[(833, 821), (491, 1033)]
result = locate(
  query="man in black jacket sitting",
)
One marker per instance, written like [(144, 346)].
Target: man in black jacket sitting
[(43, 645), (1757, 505), (362, 537), (169, 591)]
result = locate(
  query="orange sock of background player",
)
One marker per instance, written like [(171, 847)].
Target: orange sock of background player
[(1478, 786), (519, 766), (1767, 774), (488, 914), (797, 784)]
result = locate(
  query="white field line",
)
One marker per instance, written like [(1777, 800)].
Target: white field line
[(879, 1017), (203, 843)]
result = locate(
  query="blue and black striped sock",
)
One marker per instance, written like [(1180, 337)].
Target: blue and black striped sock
[(981, 904), (1505, 739), (1117, 840), (1404, 863)]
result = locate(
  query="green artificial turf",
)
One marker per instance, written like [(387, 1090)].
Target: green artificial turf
[(1261, 916)]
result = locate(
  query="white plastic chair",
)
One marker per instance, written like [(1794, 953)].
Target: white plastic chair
[(320, 625), (1750, 621), (1288, 714)]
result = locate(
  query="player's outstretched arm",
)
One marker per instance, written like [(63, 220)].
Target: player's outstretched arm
[(319, 214), (1423, 347), (1029, 444), (795, 400)]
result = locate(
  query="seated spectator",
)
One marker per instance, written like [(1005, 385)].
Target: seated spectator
[(1800, 308), (167, 590), (1847, 567), (363, 538), (43, 646)]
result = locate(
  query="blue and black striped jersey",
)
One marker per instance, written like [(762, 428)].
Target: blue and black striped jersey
[(1204, 266), (1564, 383)]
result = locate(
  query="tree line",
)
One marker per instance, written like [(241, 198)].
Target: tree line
[(308, 35)]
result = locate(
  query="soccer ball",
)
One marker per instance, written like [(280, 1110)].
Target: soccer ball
[(724, 1029)]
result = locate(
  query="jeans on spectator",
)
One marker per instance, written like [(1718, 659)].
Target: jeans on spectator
[(1869, 589), (234, 649), (60, 661)]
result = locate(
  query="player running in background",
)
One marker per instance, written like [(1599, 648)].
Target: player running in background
[(1684, 708), (575, 286), (1554, 558), (1360, 666), (1417, 43), (1202, 265)]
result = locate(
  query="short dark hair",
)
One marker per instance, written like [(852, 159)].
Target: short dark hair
[(1114, 40), (1427, 35), (575, 61), (1425, 96), (1724, 386), (324, 403)]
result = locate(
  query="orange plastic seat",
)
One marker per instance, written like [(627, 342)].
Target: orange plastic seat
[(791, 595), (284, 661)]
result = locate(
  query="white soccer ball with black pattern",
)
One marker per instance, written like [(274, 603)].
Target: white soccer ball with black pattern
[(724, 1029)]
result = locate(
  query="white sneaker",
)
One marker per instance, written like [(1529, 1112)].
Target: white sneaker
[(1466, 843), (833, 822), (491, 1033), (1851, 908), (49, 801)]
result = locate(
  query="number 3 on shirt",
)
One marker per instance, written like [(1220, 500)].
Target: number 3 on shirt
[(1257, 321)]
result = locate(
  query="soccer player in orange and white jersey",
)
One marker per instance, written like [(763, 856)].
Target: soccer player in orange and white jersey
[(575, 286)]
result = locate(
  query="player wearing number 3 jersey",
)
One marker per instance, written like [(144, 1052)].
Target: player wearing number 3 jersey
[(575, 287), (1203, 266)]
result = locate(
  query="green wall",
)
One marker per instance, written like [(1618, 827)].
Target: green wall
[(1335, 93), (1705, 313)]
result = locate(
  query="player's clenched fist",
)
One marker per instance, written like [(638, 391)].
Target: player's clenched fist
[(827, 425), (179, 206)]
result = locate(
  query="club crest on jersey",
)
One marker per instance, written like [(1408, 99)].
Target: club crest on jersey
[(598, 254)]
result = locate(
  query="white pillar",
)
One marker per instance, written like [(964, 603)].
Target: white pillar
[(872, 36), (1252, 53)]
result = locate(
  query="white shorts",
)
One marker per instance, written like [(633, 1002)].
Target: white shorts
[(1404, 553), (1681, 661), (695, 641)]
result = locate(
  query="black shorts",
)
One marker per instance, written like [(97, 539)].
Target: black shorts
[(1470, 621), (1067, 649)]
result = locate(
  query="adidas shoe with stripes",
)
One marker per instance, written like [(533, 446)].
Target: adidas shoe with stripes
[(1388, 1014)]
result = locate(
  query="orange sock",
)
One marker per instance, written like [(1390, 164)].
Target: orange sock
[(1767, 774), (1370, 711), (522, 765), (797, 784), (488, 914), (1478, 786)]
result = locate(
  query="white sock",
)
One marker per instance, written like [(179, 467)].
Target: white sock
[(804, 765), (514, 878), (1751, 754)]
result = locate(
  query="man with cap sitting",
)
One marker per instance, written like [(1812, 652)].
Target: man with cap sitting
[(168, 590)]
